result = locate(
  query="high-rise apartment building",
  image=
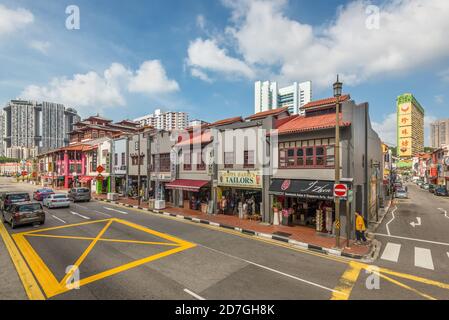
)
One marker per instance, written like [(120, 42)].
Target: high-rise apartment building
[(169, 120), (439, 133), (410, 126), (268, 96), (32, 127), (2, 133)]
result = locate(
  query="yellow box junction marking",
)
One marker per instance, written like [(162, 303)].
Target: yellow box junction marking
[(52, 286), (29, 283), (347, 282)]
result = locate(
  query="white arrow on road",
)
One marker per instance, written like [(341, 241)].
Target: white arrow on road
[(416, 224), (79, 215), (111, 209), (443, 211)]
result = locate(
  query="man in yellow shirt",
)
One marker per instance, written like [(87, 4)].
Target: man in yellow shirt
[(360, 228)]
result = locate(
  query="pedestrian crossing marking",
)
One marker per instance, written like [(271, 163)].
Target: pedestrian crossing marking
[(423, 258), (391, 252)]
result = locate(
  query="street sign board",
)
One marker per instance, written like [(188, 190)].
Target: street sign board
[(350, 195), (100, 169), (340, 190)]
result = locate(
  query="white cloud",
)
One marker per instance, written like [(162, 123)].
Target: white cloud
[(387, 129), (41, 46), (444, 75), (206, 55), (197, 73), (200, 21), (14, 19), (411, 34), (92, 91), (439, 99), (152, 78)]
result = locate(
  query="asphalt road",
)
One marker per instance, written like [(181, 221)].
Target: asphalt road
[(124, 253)]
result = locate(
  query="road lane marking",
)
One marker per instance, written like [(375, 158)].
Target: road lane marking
[(412, 239), (392, 213), (347, 282), (444, 211), (112, 209), (391, 252), (193, 294), (402, 285), (274, 270), (79, 215), (105, 214), (423, 258), (59, 219), (78, 205), (30, 285), (447, 254)]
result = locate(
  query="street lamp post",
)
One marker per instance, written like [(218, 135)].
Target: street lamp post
[(338, 86)]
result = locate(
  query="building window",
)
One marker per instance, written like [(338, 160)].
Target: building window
[(228, 159), (306, 155), (248, 159), (187, 161), (115, 159), (123, 159), (200, 163)]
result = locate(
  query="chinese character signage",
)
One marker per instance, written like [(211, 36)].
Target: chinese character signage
[(404, 129)]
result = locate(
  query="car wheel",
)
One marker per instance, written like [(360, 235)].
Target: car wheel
[(13, 224), (42, 222)]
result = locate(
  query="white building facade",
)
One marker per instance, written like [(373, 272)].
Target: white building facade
[(169, 120), (268, 96)]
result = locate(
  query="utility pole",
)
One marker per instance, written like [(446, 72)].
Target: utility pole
[(149, 162), (138, 167), (112, 166), (337, 94)]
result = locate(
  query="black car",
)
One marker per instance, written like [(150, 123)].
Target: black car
[(9, 198), (432, 188), (441, 191), (23, 213)]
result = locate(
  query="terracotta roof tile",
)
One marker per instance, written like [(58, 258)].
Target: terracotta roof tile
[(205, 137), (225, 121), (267, 113), (327, 101), (304, 123)]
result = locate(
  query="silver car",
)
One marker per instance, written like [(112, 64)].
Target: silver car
[(58, 200), (401, 194)]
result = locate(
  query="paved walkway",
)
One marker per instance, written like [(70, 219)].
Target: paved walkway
[(299, 233)]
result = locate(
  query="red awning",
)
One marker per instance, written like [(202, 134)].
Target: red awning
[(86, 179), (187, 185)]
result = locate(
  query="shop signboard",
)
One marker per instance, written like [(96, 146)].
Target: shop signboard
[(244, 178), (404, 112), (305, 189)]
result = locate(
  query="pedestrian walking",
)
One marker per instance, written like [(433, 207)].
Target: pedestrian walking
[(360, 228)]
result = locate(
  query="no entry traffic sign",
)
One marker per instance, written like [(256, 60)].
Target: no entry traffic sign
[(340, 190)]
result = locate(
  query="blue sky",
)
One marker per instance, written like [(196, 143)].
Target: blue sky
[(201, 56)]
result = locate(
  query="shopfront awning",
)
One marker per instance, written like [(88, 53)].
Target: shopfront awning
[(187, 185), (86, 179), (307, 189)]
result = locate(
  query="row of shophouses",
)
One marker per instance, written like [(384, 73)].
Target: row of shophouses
[(269, 166), (433, 167)]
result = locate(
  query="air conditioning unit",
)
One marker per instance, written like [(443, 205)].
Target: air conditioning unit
[(112, 196), (159, 204)]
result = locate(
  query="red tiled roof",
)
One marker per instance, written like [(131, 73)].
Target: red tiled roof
[(225, 121), (204, 137), (267, 113), (326, 102), (304, 123)]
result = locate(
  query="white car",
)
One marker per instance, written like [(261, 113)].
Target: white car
[(57, 200)]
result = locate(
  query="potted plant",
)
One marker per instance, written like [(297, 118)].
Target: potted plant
[(276, 208)]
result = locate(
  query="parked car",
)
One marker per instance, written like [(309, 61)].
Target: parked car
[(401, 193), (40, 194), (79, 194), (9, 198), (441, 191), (425, 186), (432, 188), (420, 183), (57, 200), (21, 213)]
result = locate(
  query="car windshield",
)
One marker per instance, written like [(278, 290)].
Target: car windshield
[(21, 196), (60, 196), (402, 191), (30, 207), (83, 190), (46, 190)]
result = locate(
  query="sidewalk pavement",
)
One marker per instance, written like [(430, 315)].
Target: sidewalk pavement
[(297, 235)]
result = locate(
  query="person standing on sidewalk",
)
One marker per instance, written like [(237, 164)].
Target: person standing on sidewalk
[(360, 228)]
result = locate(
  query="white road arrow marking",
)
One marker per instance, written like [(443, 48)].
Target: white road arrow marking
[(111, 209), (79, 215), (443, 211), (59, 219), (413, 224)]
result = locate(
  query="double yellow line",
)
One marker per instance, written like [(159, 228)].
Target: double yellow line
[(29, 283)]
